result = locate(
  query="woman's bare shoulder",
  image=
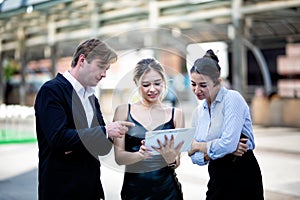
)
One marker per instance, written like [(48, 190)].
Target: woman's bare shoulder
[(122, 107), (121, 112)]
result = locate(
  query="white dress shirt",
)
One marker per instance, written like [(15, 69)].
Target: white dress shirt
[(83, 94)]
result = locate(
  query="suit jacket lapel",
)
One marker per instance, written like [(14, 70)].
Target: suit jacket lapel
[(92, 101), (78, 111), (79, 114), (95, 121)]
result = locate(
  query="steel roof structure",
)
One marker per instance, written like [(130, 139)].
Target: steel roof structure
[(30, 29)]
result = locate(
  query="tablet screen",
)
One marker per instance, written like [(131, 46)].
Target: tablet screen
[(180, 134)]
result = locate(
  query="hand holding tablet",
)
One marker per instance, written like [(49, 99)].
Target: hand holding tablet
[(184, 135)]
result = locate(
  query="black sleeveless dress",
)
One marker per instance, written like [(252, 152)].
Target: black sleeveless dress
[(149, 179)]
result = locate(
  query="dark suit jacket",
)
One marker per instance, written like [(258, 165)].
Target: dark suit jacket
[(69, 167)]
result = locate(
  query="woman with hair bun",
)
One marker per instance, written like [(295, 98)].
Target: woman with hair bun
[(224, 136)]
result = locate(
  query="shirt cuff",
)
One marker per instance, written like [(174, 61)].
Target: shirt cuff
[(208, 145), (198, 158)]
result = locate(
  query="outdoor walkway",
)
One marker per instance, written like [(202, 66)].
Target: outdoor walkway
[(278, 153)]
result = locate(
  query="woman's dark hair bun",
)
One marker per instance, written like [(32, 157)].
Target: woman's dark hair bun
[(210, 54)]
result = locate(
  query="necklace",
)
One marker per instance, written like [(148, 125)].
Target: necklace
[(151, 115), (150, 106)]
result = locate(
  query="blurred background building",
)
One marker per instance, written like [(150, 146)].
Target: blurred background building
[(258, 42)]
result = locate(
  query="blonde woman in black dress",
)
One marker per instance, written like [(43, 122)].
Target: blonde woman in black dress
[(149, 176)]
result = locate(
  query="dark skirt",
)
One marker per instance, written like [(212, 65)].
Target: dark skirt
[(161, 184), (235, 178)]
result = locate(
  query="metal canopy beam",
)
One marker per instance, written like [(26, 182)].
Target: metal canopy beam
[(140, 22), (58, 22)]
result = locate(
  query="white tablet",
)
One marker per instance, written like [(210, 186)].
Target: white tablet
[(180, 134)]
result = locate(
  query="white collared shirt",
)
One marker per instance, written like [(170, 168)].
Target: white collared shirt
[(83, 94)]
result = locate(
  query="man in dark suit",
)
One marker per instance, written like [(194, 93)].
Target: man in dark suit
[(70, 128)]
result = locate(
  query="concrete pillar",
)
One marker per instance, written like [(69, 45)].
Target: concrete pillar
[(94, 20), (20, 56), (1, 75), (239, 57), (52, 45), (151, 37), (53, 58)]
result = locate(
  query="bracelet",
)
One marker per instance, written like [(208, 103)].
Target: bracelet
[(173, 164)]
